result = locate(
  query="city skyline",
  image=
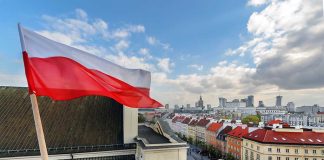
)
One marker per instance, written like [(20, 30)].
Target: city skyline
[(274, 103), (273, 48)]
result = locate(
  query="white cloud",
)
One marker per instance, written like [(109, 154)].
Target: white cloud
[(222, 63), (121, 46), (153, 41), (196, 66), (81, 14), (145, 52), (257, 2), (286, 45), (125, 32), (165, 64), (13, 79)]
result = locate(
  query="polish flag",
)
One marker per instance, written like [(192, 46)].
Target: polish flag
[(63, 73)]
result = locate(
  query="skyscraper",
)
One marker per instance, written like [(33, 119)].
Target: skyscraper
[(278, 101), (261, 104), (222, 101), (200, 103), (250, 101), (291, 107)]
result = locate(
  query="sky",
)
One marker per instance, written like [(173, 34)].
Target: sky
[(223, 48)]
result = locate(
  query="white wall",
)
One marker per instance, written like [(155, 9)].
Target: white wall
[(130, 124)]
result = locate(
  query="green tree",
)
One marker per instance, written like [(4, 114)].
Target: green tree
[(190, 140), (251, 119), (229, 157), (141, 118)]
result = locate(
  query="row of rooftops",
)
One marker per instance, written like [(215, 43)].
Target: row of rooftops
[(276, 131)]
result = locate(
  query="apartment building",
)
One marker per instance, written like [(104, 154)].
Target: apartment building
[(283, 144), (211, 133), (201, 129)]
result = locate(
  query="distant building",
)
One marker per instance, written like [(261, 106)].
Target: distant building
[(291, 107), (222, 102), (319, 118), (200, 103), (250, 101), (188, 105), (278, 101), (176, 106), (261, 104), (209, 107), (283, 144), (235, 104), (167, 106), (310, 109)]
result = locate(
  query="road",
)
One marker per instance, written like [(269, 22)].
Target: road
[(193, 155)]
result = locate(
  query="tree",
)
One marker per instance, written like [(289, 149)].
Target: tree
[(229, 157), (251, 119), (190, 140), (141, 118)]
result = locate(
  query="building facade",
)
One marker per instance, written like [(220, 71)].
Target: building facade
[(192, 129), (234, 141), (283, 144), (201, 129), (211, 133)]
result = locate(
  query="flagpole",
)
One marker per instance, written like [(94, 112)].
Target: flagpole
[(37, 118)]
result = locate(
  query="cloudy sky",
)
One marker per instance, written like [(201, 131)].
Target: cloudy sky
[(225, 48)]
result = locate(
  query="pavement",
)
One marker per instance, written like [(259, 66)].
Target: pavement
[(193, 155)]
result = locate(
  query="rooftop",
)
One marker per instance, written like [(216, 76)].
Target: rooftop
[(193, 122), (150, 135), (239, 132), (221, 135), (213, 127), (287, 137), (148, 138), (186, 120), (203, 122)]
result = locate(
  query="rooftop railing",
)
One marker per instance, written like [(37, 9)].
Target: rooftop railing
[(67, 150)]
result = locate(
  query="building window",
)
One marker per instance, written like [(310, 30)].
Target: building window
[(306, 158), (296, 158), (278, 158), (278, 150), (269, 158), (258, 157), (287, 158), (296, 151), (246, 144), (287, 150), (269, 149), (258, 147), (251, 145), (306, 151), (314, 151), (314, 158), (322, 152)]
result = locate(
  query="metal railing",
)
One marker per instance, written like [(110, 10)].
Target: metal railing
[(67, 150)]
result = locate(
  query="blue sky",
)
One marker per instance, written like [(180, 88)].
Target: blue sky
[(198, 29), (214, 48)]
